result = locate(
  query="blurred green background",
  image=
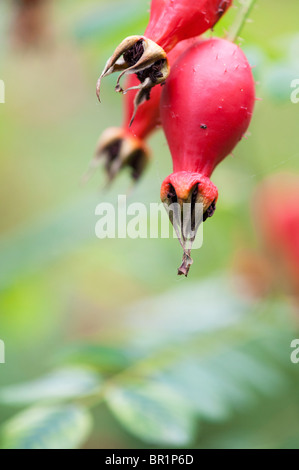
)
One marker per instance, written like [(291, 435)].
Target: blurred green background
[(131, 356)]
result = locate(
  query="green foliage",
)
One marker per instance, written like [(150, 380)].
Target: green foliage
[(47, 428), (153, 413), (63, 384), (201, 369)]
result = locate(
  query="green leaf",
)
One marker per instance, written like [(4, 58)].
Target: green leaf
[(65, 427), (214, 350), (217, 385), (153, 413), (63, 384)]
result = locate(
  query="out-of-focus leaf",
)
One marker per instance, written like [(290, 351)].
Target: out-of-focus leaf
[(105, 358), (153, 413), (215, 351), (64, 384), (65, 427), (217, 385), (197, 307)]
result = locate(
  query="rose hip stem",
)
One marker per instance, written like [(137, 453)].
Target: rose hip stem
[(206, 107), (171, 21), (125, 146)]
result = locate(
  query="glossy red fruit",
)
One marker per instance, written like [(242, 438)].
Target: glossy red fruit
[(173, 21), (206, 107)]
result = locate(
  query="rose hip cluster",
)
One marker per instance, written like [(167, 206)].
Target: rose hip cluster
[(205, 106)]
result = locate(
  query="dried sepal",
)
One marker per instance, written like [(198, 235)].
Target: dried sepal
[(116, 63), (118, 149), (140, 55), (141, 97), (186, 265), (189, 199), (186, 223)]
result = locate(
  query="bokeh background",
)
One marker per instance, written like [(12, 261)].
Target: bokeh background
[(105, 346)]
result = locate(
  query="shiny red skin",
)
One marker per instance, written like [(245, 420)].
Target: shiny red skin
[(172, 21), (148, 115), (207, 105)]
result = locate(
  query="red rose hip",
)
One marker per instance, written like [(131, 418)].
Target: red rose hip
[(206, 107)]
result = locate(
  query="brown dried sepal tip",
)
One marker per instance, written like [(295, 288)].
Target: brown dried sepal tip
[(118, 149), (140, 55), (187, 260), (186, 265), (189, 202)]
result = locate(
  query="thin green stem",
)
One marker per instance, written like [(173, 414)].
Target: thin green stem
[(243, 13)]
